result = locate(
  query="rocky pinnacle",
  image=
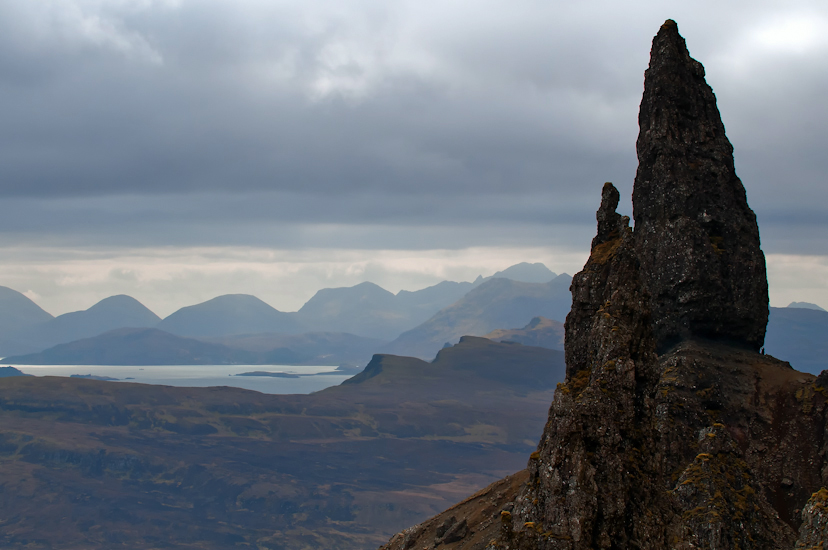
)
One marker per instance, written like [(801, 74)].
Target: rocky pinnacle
[(669, 430), (696, 237)]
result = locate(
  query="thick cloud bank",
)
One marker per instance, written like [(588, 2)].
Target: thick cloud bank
[(368, 125)]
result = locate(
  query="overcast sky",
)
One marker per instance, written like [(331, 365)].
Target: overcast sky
[(175, 150)]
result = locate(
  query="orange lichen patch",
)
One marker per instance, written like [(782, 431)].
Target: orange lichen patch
[(579, 381), (602, 253), (819, 499)]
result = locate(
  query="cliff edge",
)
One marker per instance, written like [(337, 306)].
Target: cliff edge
[(672, 430)]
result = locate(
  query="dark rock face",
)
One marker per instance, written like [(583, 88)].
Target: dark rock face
[(671, 430), (641, 451), (697, 239), (609, 281), (582, 487)]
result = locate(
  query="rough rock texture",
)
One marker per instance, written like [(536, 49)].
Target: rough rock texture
[(671, 430), (483, 510), (642, 451), (697, 239), (584, 491), (612, 269), (813, 535)]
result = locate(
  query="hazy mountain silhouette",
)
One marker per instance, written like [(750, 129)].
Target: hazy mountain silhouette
[(136, 346), (540, 331), (228, 315), (805, 305), (19, 311), (523, 272), (113, 312), (365, 310), (494, 304), (110, 313), (149, 346), (800, 336), (369, 310), (422, 304)]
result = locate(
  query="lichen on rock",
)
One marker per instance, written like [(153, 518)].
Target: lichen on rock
[(813, 534)]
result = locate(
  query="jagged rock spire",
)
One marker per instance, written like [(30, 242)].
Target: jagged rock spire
[(696, 236), (706, 444), (608, 218)]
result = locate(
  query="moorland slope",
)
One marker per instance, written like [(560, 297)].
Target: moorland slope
[(93, 465)]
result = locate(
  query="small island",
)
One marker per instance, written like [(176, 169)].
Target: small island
[(94, 377), (271, 374)]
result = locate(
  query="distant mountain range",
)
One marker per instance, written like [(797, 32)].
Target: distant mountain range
[(541, 332), (19, 311), (113, 312), (135, 346), (805, 305), (19, 314), (339, 325), (369, 310), (523, 272), (226, 315), (494, 304), (149, 346), (365, 310)]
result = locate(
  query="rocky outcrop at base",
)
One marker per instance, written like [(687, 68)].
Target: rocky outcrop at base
[(671, 430)]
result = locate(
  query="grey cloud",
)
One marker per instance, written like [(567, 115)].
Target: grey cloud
[(294, 221), (231, 122), (356, 221)]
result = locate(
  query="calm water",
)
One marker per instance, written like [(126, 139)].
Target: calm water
[(202, 375)]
